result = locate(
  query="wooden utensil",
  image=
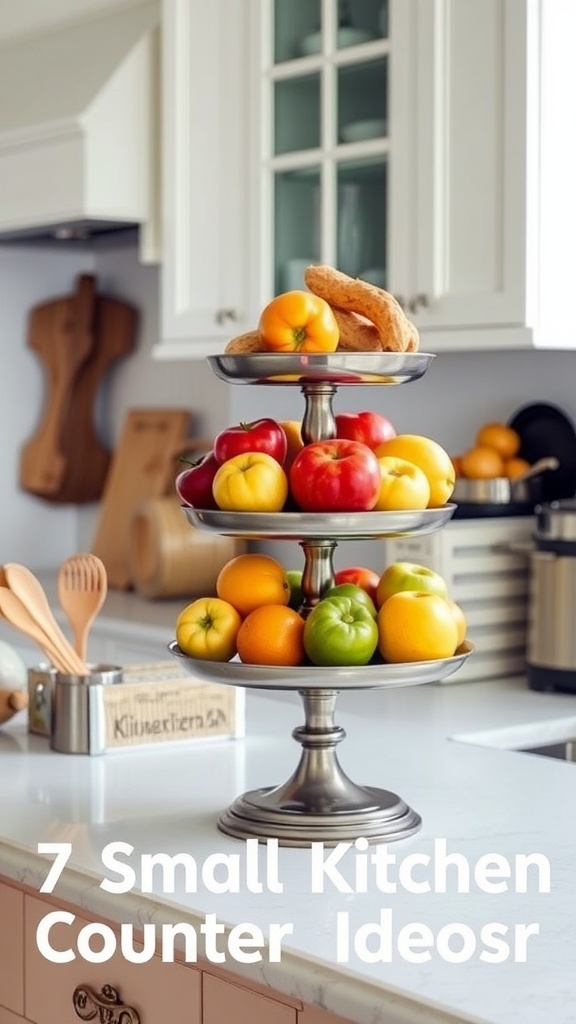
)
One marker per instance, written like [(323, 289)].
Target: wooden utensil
[(82, 589), (30, 591), (17, 615)]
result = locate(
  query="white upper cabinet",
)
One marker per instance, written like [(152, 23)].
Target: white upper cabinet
[(482, 200), (458, 213), (422, 144), (206, 260)]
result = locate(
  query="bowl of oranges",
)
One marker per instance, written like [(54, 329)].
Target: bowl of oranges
[(492, 472)]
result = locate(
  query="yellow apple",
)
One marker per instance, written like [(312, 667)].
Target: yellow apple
[(404, 486), (293, 431), (430, 457), (401, 576)]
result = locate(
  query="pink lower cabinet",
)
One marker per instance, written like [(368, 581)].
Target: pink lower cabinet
[(11, 952), (226, 1003), (155, 990), (312, 1015), (7, 1017)]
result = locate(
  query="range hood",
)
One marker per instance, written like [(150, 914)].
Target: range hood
[(78, 127)]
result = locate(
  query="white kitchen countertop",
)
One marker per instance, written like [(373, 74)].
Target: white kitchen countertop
[(479, 800)]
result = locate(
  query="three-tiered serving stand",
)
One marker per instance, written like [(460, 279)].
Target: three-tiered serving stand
[(319, 802)]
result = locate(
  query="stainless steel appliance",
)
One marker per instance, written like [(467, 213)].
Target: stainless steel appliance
[(551, 652)]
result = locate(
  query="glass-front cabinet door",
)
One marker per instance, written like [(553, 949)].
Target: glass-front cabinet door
[(324, 142)]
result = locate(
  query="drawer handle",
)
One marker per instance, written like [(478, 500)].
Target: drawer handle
[(107, 1007), (222, 315)]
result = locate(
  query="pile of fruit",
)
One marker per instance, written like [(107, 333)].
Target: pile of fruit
[(264, 466), (335, 313), (403, 615), (493, 454)]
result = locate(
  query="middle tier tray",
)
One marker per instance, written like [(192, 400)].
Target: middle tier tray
[(317, 525)]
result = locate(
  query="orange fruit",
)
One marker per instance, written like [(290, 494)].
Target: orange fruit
[(430, 457), (251, 580), (515, 466), (457, 463), (499, 436), (271, 635), (460, 620), (416, 626), (293, 431), (482, 463)]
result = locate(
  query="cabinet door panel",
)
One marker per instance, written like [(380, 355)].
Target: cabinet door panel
[(224, 1003), (205, 184), (156, 990), (459, 220), (472, 201), (312, 1015), (7, 1017), (11, 949)]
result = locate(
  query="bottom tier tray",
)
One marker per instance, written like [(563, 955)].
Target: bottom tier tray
[(319, 803)]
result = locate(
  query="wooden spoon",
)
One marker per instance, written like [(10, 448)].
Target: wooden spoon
[(18, 616), (82, 589), (28, 588)]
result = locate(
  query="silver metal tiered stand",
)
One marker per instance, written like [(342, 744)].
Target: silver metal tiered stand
[(319, 802)]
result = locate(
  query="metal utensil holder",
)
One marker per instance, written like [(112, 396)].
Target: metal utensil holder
[(77, 710)]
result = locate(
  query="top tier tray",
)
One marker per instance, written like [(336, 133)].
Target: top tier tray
[(337, 368)]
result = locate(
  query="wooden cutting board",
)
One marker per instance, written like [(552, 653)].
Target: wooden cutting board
[(77, 338), (61, 334), (87, 459), (143, 466)]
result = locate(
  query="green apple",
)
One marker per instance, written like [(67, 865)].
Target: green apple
[(296, 595), (401, 576), (355, 593)]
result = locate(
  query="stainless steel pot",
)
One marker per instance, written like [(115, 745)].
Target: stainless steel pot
[(551, 653), (525, 489)]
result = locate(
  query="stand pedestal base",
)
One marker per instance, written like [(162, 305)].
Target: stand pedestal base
[(262, 814), (319, 803)]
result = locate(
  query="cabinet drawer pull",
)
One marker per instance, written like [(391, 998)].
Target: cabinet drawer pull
[(417, 303), (223, 315), (107, 1008)]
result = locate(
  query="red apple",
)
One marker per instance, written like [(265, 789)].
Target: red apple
[(361, 577), (263, 435), (194, 484), (369, 427), (335, 476)]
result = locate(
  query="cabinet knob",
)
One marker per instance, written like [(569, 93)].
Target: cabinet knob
[(107, 1007), (222, 315), (418, 302)]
